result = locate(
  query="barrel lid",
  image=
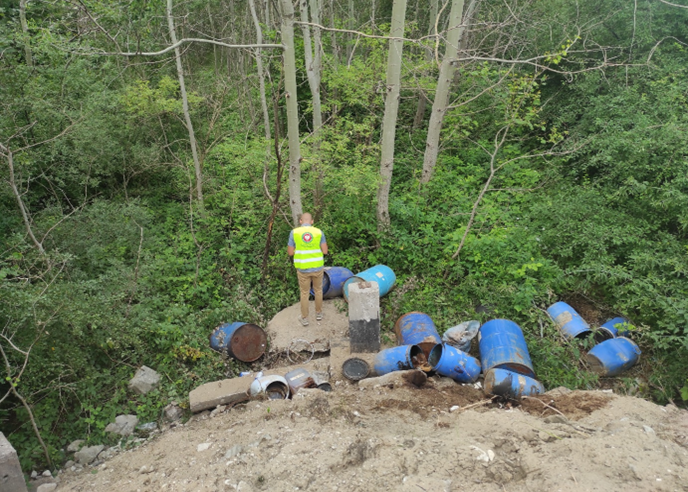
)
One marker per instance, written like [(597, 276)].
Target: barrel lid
[(248, 343), (355, 369)]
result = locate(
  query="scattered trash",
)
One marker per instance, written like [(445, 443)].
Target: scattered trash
[(322, 381), (568, 320), (147, 428), (243, 341), (502, 345), (461, 335), (333, 281), (273, 387), (453, 363), (417, 328), (454, 408), (294, 347), (298, 379), (614, 356), (355, 369), (485, 456), (383, 275), (245, 373), (617, 327), (400, 359), (502, 382)]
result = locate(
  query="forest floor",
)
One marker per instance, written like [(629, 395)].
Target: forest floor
[(410, 438)]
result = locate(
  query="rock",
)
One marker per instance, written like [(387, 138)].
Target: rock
[(204, 446), (454, 408), (47, 473), (173, 412), (144, 380), (46, 487), (218, 410), (234, 451), (88, 454), (396, 379), (107, 454), (648, 430), (147, 428), (75, 446), (69, 464), (556, 419), (34, 474), (123, 425), (11, 477), (147, 469), (558, 391)]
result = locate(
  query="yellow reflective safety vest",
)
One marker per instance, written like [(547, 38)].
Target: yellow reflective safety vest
[(307, 253)]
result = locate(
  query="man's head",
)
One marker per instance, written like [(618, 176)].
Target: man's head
[(306, 218)]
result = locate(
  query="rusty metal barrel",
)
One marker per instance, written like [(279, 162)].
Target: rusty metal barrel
[(417, 328), (503, 345), (243, 341), (298, 379), (502, 382)]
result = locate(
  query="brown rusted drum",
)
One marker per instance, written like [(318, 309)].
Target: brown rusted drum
[(417, 328), (243, 341), (299, 378)]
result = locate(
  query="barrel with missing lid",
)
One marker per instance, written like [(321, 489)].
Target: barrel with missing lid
[(451, 362), (400, 359), (502, 382), (271, 387), (416, 328)]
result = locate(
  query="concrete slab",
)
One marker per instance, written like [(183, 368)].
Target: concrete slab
[(235, 390), (364, 317), (11, 476), (285, 327)]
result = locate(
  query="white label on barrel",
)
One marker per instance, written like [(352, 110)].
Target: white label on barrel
[(379, 274)]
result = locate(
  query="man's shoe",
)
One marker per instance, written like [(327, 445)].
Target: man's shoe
[(304, 321), (318, 316)]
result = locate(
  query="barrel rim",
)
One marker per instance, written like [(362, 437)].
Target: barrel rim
[(264, 343)]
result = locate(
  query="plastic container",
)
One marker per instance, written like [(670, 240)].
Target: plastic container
[(416, 328), (568, 320), (612, 357), (383, 275), (452, 363), (502, 345), (400, 359), (613, 328), (502, 382), (333, 281)]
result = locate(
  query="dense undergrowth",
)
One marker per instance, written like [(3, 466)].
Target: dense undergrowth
[(136, 273)]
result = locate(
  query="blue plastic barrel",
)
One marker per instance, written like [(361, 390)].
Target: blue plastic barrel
[(568, 320), (243, 341), (614, 356), (502, 345), (620, 331), (452, 363), (416, 328), (398, 359), (333, 281), (509, 384), (383, 275)]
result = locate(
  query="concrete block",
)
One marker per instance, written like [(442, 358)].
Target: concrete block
[(144, 380), (364, 317), (11, 476), (396, 379)]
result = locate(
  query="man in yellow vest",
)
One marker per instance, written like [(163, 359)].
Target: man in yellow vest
[(307, 245)]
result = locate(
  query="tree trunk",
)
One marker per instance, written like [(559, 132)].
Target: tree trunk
[(185, 107), (292, 110), (389, 121), (439, 106), (422, 98), (261, 75), (351, 25), (20, 203), (25, 30)]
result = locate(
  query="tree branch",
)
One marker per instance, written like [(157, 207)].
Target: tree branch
[(188, 40)]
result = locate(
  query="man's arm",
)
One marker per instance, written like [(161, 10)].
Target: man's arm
[(323, 248), (291, 245), (290, 250)]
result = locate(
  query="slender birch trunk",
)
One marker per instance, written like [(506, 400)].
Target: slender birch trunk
[(20, 203), (292, 110), (389, 121), (185, 106), (261, 75), (25, 30), (422, 98), (439, 106)]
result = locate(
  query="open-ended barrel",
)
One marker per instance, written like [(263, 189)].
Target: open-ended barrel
[(502, 382), (453, 363), (571, 324), (417, 328), (399, 359), (616, 327), (383, 275), (503, 345), (243, 341), (614, 356)]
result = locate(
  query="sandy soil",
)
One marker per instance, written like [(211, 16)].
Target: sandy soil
[(441, 437)]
